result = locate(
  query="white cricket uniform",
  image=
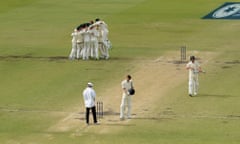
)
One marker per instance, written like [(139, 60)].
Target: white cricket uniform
[(89, 96), (193, 77), (94, 34), (104, 28), (74, 46), (126, 99), (86, 44), (100, 39), (105, 32), (103, 38), (79, 44)]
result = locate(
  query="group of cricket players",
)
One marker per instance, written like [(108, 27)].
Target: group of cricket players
[(90, 41)]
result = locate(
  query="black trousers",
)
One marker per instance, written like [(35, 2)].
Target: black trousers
[(93, 110)]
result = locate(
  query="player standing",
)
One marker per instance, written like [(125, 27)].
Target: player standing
[(194, 68), (73, 53), (126, 84), (79, 43), (94, 34), (86, 43), (103, 37)]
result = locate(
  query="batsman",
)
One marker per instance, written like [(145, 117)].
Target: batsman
[(194, 69)]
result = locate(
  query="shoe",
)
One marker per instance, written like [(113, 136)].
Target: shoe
[(195, 93), (96, 123), (190, 95), (121, 119)]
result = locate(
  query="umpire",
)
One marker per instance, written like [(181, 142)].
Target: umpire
[(89, 97)]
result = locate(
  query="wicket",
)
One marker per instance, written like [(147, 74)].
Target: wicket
[(183, 53), (99, 109)]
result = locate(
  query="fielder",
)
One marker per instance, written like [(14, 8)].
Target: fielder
[(73, 53), (79, 43), (86, 43), (94, 34), (194, 68), (103, 37)]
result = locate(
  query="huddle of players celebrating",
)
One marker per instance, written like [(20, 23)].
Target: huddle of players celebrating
[(90, 40)]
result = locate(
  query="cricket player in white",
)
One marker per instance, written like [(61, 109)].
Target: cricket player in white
[(94, 34), (194, 69), (103, 37), (73, 53), (86, 45), (126, 98), (79, 43), (105, 32)]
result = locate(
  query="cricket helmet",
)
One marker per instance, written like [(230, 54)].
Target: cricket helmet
[(131, 91)]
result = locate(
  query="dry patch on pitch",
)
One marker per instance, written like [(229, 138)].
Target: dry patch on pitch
[(153, 79)]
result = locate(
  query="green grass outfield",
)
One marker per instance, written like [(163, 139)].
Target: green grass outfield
[(39, 86)]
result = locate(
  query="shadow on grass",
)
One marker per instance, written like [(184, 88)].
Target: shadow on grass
[(119, 124), (29, 57), (53, 58), (214, 95)]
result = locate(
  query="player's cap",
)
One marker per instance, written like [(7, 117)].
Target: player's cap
[(90, 84)]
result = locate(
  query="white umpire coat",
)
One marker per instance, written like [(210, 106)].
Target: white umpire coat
[(89, 96)]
